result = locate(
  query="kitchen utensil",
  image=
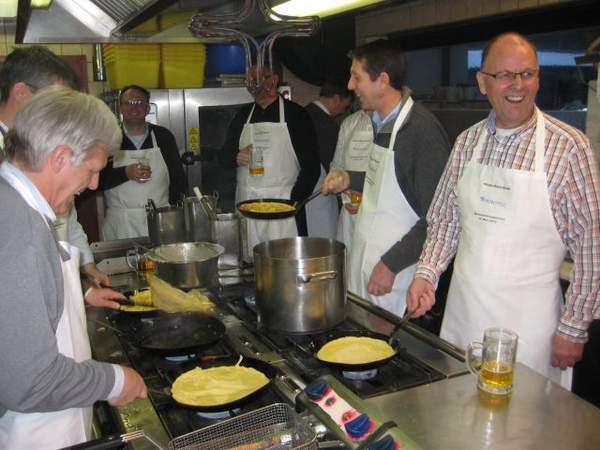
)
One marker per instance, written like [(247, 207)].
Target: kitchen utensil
[(187, 265), (348, 367), (197, 222), (113, 441), (275, 426), (297, 205), (208, 209), (300, 284), (267, 369), (171, 334), (493, 361), (166, 225)]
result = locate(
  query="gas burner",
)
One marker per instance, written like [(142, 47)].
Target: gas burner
[(360, 375), (180, 358), (218, 414)]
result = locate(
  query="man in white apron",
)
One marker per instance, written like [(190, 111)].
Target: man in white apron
[(521, 188), (275, 137), (406, 158), (334, 100), (48, 379), (23, 72), (146, 167), (352, 154)]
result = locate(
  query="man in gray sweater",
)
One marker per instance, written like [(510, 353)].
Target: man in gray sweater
[(59, 142), (407, 158)]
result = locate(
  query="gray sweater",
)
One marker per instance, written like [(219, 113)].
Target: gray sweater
[(34, 376), (420, 153)]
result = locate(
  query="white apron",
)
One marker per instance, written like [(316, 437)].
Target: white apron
[(52, 430), (383, 219), (509, 254), (322, 213), (356, 159), (126, 203), (281, 170)]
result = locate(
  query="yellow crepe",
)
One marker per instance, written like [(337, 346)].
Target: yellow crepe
[(170, 299), (142, 298), (137, 308), (355, 350), (267, 207), (217, 385)]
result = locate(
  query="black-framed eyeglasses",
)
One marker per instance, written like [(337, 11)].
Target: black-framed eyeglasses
[(506, 76), (134, 103)]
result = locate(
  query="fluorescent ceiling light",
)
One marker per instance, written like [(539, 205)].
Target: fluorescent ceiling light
[(322, 8), (8, 8)]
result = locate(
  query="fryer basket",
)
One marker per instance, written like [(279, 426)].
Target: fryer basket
[(274, 427)]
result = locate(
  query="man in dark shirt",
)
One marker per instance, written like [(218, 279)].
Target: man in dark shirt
[(279, 135)]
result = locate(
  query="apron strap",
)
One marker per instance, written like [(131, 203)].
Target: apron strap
[(406, 108)]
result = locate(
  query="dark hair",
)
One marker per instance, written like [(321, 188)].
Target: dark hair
[(36, 66), (333, 88), (144, 91), (492, 42), (382, 56)]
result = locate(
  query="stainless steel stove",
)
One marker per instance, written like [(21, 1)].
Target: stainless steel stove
[(422, 358)]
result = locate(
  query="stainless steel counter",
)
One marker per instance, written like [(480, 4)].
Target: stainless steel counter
[(451, 414)]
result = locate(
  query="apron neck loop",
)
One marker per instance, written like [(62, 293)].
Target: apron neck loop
[(281, 111), (400, 119)]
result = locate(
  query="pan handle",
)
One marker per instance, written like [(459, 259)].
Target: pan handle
[(304, 278)]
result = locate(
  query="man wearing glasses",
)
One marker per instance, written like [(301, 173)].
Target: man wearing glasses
[(520, 189), (147, 167)]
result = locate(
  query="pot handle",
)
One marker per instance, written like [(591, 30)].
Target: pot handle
[(317, 276)]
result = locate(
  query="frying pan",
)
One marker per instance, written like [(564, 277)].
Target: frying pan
[(275, 215), (172, 334), (267, 369), (356, 367)]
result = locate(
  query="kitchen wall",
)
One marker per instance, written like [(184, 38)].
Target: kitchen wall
[(425, 13), (7, 39)]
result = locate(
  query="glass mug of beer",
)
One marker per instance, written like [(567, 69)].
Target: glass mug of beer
[(256, 166), (493, 360), (137, 259)]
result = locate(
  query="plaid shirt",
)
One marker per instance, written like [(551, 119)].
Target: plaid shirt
[(574, 188)]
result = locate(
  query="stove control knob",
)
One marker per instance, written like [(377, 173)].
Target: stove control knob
[(317, 390), (385, 443), (359, 427)]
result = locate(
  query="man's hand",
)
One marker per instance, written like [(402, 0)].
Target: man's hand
[(243, 156), (420, 296), (335, 181), (104, 298), (95, 275), (565, 353), (138, 172), (381, 280), (133, 387), (351, 208)]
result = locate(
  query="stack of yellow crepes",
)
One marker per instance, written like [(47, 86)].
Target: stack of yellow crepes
[(172, 300), (142, 303)]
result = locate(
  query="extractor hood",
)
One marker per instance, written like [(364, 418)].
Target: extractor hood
[(91, 21)]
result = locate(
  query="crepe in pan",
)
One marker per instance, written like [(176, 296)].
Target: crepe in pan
[(355, 350)]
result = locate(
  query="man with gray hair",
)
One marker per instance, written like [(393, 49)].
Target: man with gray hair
[(59, 142), (23, 73)]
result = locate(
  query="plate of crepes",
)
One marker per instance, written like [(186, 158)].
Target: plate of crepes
[(267, 208), (356, 353), (222, 388), (140, 303)]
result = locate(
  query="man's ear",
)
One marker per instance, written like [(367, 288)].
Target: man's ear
[(20, 92), (384, 78), (59, 158), (481, 82)]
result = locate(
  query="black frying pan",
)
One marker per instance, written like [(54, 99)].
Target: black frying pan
[(275, 215), (356, 367), (267, 369), (172, 334)]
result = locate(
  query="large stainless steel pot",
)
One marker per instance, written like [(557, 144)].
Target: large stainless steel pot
[(300, 284), (187, 265), (197, 222), (166, 225)]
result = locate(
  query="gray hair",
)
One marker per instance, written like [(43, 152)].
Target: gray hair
[(60, 116)]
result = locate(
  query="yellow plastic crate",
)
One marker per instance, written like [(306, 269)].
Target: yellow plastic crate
[(122, 72), (184, 75)]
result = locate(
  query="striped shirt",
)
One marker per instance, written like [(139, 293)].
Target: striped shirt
[(574, 189)]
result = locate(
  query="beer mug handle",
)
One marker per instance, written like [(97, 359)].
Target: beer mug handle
[(132, 254), (473, 360)]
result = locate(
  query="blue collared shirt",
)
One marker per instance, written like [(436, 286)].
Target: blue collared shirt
[(379, 122)]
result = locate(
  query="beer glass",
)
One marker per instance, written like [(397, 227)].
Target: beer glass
[(256, 167), (493, 360), (137, 259)]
